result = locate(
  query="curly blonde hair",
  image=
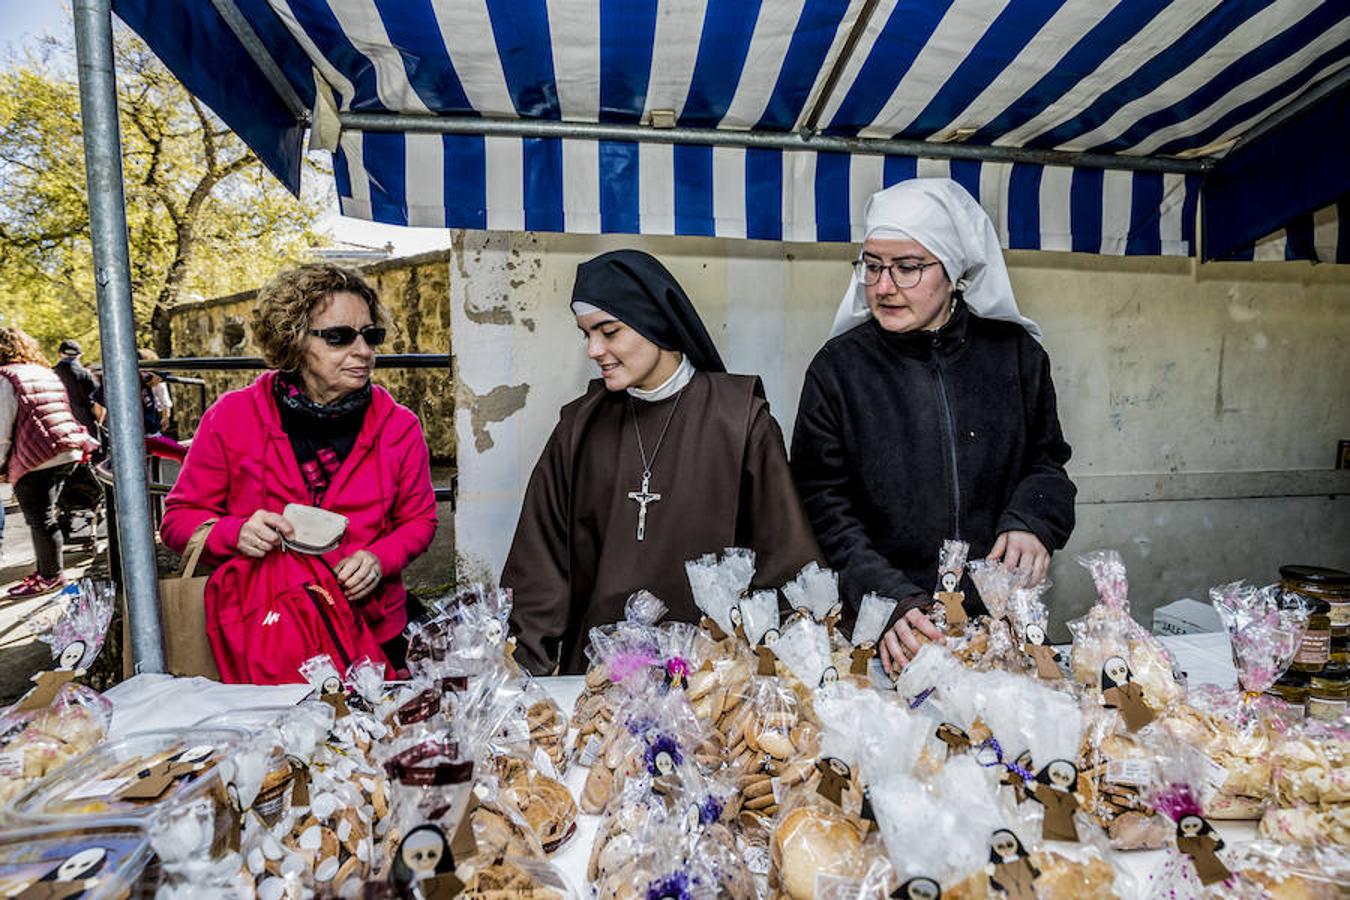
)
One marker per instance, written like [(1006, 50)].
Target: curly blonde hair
[(18, 346), (285, 304)]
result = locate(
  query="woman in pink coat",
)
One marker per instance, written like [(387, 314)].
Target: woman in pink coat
[(314, 432)]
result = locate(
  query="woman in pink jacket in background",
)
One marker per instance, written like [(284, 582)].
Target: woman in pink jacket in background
[(314, 432)]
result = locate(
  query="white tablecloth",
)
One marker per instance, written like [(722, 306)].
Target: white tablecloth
[(161, 701)]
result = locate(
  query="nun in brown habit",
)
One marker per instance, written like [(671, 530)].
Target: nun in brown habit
[(666, 457)]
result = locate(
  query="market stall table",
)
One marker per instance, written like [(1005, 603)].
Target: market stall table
[(161, 701)]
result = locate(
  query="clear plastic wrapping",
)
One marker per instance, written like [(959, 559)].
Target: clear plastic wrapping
[(803, 646), (814, 592), (1108, 637), (37, 742), (949, 612), (1264, 637), (78, 633), (874, 611), (717, 585)]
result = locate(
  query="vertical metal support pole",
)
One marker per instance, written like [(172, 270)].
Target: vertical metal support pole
[(117, 327)]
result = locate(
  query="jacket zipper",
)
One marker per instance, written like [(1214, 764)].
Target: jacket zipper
[(328, 623), (949, 426)]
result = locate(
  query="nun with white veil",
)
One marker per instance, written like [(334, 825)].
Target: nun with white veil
[(930, 414)]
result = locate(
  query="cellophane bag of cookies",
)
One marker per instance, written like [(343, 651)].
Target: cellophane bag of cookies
[(936, 832), (1197, 857), (1263, 869), (430, 833), (77, 635), (1310, 786), (717, 584), (814, 592), (996, 585), (1115, 766), (951, 567), (1108, 633), (1264, 637), (32, 744), (803, 647)]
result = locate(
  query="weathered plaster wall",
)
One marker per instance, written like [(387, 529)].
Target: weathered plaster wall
[(1204, 403)]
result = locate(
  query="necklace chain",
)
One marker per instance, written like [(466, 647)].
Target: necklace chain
[(647, 464)]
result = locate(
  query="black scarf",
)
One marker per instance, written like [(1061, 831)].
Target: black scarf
[(638, 291), (322, 435)]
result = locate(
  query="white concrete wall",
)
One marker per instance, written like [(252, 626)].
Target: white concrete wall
[(1203, 403)]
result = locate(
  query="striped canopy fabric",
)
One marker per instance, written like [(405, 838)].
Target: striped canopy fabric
[(1124, 81)]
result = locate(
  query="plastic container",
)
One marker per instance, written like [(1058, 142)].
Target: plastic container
[(131, 777), (104, 859)]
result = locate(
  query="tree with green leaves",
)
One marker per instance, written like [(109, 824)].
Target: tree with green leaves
[(204, 217)]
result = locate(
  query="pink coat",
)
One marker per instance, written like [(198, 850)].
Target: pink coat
[(241, 461)]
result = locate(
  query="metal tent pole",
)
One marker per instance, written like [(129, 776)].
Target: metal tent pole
[(116, 326)]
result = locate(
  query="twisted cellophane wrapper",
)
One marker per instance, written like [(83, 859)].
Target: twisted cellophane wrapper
[(1310, 784), (1264, 637), (84, 618), (759, 614), (815, 590), (1108, 630), (718, 583), (803, 646), (874, 611)]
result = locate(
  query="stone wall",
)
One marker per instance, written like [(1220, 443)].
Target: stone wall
[(417, 292)]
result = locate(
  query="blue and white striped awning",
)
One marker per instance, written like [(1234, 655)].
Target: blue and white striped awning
[(1091, 116)]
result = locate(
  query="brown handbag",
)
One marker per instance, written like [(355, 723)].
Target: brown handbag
[(182, 616)]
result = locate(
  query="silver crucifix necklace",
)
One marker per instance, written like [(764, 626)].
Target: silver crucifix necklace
[(645, 496)]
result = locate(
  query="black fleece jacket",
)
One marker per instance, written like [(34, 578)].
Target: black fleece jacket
[(905, 440)]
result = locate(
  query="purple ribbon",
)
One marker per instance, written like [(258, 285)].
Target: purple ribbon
[(919, 700), (1022, 772)]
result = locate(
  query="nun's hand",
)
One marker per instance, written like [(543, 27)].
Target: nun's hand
[(1022, 550), (903, 642)]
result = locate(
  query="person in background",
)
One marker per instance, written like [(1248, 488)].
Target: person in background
[(313, 431), (152, 417), (41, 442), (930, 413), (80, 385)]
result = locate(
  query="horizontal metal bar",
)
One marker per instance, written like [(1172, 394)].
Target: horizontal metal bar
[(1167, 487), (244, 363), (536, 128)]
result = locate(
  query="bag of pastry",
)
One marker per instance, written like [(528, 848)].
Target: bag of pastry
[(1264, 638), (430, 832), (1264, 869), (1114, 656), (716, 585), (1053, 728), (672, 852), (1029, 622), (803, 647), (874, 613), (1196, 857), (761, 620), (989, 643), (1310, 787), (948, 611), (77, 635), (185, 839), (936, 832), (36, 742), (652, 736), (815, 593), (1115, 767)]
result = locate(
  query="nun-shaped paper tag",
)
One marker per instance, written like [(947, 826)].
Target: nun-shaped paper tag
[(951, 563), (873, 613)]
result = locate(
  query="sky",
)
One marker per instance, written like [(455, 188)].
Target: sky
[(22, 22)]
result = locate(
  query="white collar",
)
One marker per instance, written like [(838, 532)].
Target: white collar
[(672, 386)]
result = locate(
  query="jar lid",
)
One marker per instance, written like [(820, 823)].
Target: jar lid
[(1318, 575)]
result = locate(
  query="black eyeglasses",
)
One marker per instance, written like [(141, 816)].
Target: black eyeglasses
[(904, 274), (345, 335)]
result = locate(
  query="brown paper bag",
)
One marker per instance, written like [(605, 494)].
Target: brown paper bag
[(182, 616)]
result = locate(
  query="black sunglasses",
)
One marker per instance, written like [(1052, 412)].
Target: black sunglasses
[(344, 335)]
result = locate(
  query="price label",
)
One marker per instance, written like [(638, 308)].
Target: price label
[(591, 752), (1134, 772), (11, 763), (103, 787), (517, 731)]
